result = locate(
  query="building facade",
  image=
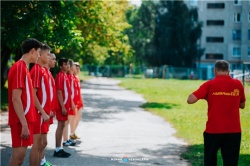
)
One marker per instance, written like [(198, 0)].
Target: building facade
[(225, 31)]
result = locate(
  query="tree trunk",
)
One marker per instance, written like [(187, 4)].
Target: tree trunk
[(5, 55)]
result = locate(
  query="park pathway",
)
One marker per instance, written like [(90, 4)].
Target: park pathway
[(114, 131)]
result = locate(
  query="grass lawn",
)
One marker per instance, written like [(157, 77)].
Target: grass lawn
[(167, 98)]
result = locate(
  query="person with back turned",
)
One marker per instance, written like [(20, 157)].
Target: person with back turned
[(224, 96)]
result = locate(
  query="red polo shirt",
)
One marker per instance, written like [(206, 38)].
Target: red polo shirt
[(223, 95), (63, 84), (40, 81), (19, 78)]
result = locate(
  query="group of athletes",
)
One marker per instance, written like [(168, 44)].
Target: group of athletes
[(35, 97)]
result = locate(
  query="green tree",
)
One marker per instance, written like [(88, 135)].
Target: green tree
[(165, 33), (48, 21), (177, 33), (142, 32)]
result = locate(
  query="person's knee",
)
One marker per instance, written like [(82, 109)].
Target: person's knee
[(18, 156)]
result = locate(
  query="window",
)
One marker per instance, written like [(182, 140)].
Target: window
[(248, 34), (215, 39), (237, 17), (248, 51), (237, 2), (214, 56), (215, 22), (215, 5), (236, 34), (236, 51)]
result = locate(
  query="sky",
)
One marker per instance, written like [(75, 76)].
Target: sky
[(135, 2)]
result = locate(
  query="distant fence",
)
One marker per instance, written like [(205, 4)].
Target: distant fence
[(165, 72)]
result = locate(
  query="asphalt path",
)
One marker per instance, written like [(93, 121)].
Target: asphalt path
[(114, 131)]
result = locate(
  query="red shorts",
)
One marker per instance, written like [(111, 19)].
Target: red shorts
[(71, 112), (60, 116), (40, 127), (16, 130), (51, 120)]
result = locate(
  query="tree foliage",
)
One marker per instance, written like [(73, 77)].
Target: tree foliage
[(173, 39), (86, 31)]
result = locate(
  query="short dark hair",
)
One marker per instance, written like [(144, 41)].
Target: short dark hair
[(45, 47), (62, 60), (30, 43), (221, 65)]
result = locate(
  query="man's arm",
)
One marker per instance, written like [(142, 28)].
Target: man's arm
[(242, 105), (39, 107), (191, 99), (60, 99), (18, 106)]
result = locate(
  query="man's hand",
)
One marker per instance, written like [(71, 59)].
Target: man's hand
[(25, 134), (64, 111), (45, 117)]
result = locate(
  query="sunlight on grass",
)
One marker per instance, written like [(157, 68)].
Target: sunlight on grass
[(167, 98)]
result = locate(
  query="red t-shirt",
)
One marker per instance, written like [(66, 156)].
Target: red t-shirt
[(52, 90), (77, 96), (19, 78), (223, 95), (40, 81), (62, 83), (71, 82)]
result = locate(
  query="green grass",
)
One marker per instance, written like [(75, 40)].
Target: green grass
[(167, 98)]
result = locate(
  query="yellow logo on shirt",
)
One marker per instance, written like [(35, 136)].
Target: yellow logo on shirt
[(236, 92)]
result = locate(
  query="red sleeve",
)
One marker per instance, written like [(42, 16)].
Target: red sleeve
[(36, 76), (59, 81), (242, 93), (19, 76), (202, 91)]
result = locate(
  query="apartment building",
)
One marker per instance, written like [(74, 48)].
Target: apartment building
[(225, 32)]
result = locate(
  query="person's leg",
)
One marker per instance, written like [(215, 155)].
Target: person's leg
[(75, 124), (59, 133), (44, 144), (66, 130), (230, 149), (17, 156), (35, 150), (211, 146), (72, 121)]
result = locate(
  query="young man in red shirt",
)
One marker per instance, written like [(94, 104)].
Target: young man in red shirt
[(224, 96), (78, 102), (52, 91), (21, 101), (72, 111), (63, 105), (41, 91)]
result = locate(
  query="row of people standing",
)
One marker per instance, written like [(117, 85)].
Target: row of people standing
[(34, 98)]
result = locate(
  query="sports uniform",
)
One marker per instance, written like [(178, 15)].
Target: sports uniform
[(19, 78), (78, 97), (223, 130), (41, 82), (52, 90), (72, 91), (62, 83)]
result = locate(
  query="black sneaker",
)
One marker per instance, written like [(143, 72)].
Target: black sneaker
[(61, 153), (69, 143)]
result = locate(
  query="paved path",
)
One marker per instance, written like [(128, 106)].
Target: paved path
[(114, 131)]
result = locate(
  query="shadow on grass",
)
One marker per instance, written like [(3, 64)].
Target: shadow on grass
[(195, 155), (158, 105)]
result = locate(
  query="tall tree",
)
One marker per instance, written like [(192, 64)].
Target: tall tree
[(48, 21), (177, 33), (142, 32)]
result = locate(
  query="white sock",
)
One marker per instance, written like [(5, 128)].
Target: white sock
[(57, 149), (43, 161)]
